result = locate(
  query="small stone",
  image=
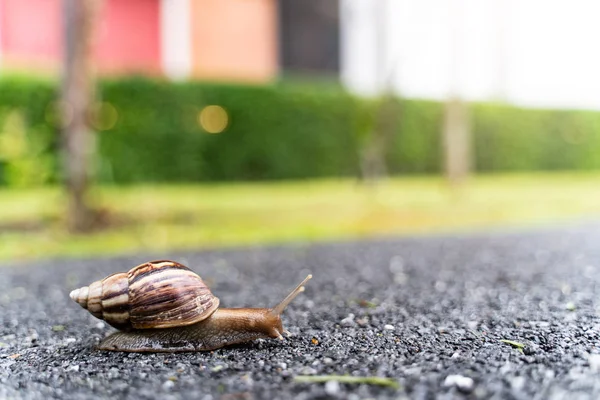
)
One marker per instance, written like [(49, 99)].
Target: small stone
[(282, 365), (58, 328), (247, 379), (327, 361), (362, 322), (216, 368), (314, 341), (33, 337), (113, 373), (286, 374), (332, 388), (517, 383), (70, 340), (100, 325), (594, 361), (570, 306), (389, 327), (308, 371), (463, 383), (412, 371), (348, 321), (168, 385), (74, 368)]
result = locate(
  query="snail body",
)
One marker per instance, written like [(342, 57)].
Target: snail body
[(163, 306)]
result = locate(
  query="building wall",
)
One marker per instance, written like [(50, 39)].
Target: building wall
[(30, 36), (129, 37), (533, 53), (309, 33), (234, 39), (226, 39)]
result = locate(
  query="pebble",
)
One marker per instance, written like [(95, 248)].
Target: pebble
[(74, 368), (463, 383), (168, 385), (308, 371), (389, 327), (113, 373), (518, 383), (332, 388), (594, 361), (348, 321)]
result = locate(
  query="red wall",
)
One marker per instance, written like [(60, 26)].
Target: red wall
[(30, 31), (128, 36)]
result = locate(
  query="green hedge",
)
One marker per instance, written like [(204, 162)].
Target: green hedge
[(28, 137), (274, 132), (515, 139)]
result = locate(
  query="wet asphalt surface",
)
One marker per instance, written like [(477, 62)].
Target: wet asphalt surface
[(429, 312)]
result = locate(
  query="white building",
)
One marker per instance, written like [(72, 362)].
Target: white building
[(540, 53)]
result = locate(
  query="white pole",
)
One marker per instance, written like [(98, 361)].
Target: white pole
[(176, 38), (359, 63)]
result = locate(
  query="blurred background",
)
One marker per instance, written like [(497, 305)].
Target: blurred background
[(153, 125)]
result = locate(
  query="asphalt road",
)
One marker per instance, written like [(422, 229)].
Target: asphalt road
[(431, 313)]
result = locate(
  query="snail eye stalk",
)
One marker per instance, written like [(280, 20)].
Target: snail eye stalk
[(278, 309)]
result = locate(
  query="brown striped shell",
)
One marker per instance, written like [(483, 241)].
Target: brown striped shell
[(156, 294)]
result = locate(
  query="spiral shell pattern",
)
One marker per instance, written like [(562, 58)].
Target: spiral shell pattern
[(156, 294)]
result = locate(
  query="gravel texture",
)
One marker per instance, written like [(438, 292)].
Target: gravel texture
[(429, 312)]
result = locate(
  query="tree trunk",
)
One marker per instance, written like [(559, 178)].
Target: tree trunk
[(385, 115), (456, 131), (457, 140), (77, 99), (385, 124)]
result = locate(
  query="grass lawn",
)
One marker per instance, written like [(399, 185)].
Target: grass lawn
[(166, 217)]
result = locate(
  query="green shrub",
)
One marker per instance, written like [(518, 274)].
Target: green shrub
[(150, 132), (508, 138), (272, 133), (28, 143)]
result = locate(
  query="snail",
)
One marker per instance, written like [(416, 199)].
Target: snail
[(163, 306)]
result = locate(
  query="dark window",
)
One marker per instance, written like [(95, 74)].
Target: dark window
[(309, 37)]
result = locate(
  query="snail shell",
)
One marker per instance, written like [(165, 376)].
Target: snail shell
[(156, 294)]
